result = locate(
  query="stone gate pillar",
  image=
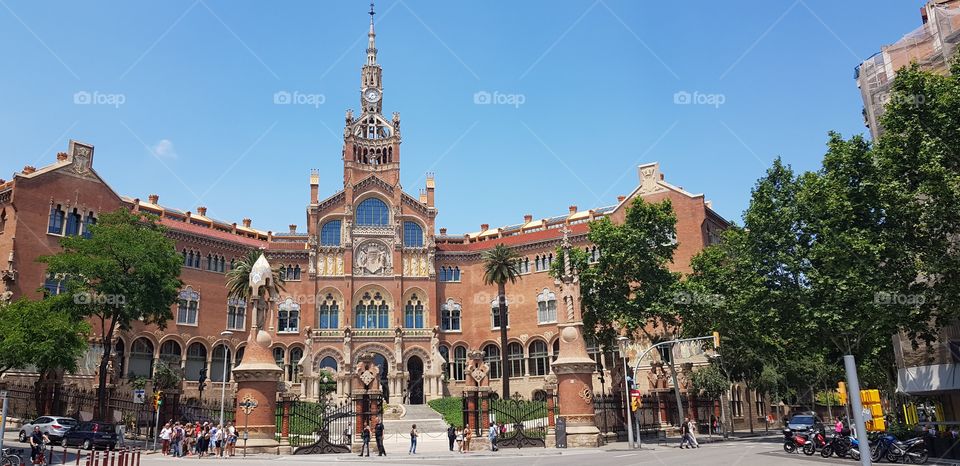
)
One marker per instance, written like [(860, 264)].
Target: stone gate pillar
[(258, 376), (573, 367), (366, 394), (477, 396)]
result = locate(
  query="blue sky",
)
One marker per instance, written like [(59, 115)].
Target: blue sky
[(183, 105)]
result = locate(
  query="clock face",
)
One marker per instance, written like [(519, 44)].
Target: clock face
[(371, 95)]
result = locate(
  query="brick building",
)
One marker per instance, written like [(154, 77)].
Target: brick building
[(370, 272)]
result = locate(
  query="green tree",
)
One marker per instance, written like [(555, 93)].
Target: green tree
[(238, 280), (500, 265), (34, 334), (126, 271), (631, 287), (709, 382)]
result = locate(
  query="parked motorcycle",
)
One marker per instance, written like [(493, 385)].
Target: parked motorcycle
[(888, 447), (838, 444), (815, 441), (794, 440)]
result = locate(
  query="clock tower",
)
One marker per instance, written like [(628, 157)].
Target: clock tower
[(371, 142)]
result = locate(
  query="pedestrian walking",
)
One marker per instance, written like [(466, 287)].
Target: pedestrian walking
[(365, 436), (692, 431), (378, 431), (413, 440), (451, 435), (685, 433), (345, 437), (460, 440), (492, 436), (467, 436), (176, 439), (121, 435)]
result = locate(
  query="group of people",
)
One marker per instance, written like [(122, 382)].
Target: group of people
[(206, 439), (461, 437), (377, 433), (689, 431)]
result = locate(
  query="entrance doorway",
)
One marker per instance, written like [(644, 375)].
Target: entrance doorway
[(415, 385), (381, 362)]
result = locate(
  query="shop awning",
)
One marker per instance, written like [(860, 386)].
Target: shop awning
[(924, 380)]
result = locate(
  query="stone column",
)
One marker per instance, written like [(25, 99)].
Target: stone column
[(573, 367)]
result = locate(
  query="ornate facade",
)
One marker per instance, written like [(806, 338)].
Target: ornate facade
[(370, 273)]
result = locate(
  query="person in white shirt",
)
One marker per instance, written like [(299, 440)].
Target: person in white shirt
[(165, 434)]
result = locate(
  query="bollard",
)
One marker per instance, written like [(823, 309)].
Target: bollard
[(120, 460), (137, 461), (63, 459)]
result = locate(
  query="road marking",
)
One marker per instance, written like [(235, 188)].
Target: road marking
[(623, 456)]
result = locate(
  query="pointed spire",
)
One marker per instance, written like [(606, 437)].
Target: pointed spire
[(371, 41)]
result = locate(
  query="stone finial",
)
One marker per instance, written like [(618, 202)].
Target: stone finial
[(247, 222), (443, 231), (154, 199), (573, 209), (260, 273), (293, 228), (61, 156), (527, 218), (28, 169), (621, 198), (202, 211), (484, 226)]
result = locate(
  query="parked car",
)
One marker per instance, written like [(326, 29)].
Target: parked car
[(53, 426), (90, 435), (804, 422)]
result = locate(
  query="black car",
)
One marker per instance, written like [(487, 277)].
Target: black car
[(90, 435), (805, 422)]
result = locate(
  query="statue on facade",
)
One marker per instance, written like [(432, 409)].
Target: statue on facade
[(306, 362)]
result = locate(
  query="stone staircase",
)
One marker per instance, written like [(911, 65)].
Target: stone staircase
[(427, 420)]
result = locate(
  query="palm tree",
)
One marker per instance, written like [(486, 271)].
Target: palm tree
[(238, 280), (501, 264)]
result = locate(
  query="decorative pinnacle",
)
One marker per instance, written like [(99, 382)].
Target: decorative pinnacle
[(371, 11)]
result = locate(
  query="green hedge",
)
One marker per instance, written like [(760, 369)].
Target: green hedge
[(451, 408)]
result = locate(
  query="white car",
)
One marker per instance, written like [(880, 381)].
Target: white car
[(53, 426)]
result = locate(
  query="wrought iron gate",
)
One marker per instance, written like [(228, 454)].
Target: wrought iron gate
[(526, 422), (316, 428)]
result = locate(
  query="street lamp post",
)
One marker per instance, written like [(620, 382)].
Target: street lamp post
[(626, 389), (223, 381)]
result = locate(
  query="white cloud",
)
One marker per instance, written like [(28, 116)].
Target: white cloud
[(164, 149)]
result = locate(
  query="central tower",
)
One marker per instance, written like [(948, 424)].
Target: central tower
[(371, 142)]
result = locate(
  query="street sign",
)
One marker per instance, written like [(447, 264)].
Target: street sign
[(139, 396)]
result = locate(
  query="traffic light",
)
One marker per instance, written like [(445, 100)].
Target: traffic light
[(842, 393), (157, 399), (716, 339)]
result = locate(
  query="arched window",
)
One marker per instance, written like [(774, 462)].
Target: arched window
[(296, 272), (329, 313), (220, 363), (495, 313), (236, 314), (188, 307), (87, 223), (413, 314), (196, 360), (74, 222), (330, 233), (293, 371), (373, 212), (456, 273), (539, 362), (538, 266), (445, 354), (450, 315), (546, 306), (372, 312), (237, 360), (459, 362), (170, 353), (328, 362), (491, 355), (412, 235), (141, 358), (209, 261), (288, 316), (556, 349), (119, 357), (278, 356), (515, 359), (55, 224)]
